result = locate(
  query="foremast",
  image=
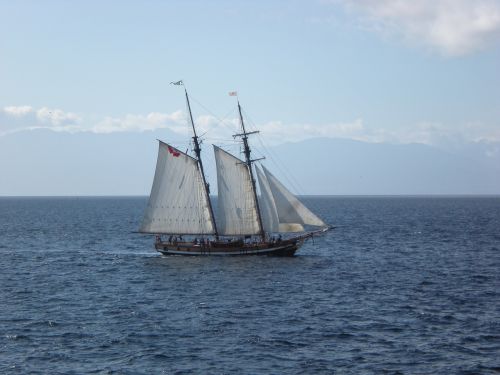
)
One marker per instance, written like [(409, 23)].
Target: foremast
[(197, 151), (248, 161)]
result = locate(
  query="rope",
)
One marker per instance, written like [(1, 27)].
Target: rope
[(277, 161)]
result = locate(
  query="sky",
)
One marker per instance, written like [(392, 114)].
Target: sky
[(377, 71)]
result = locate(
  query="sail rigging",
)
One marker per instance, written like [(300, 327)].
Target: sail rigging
[(290, 210), (237, 211), (178, 202), (248, 160), (197, 151)]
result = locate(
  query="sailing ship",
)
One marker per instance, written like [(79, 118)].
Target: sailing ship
[(181, 216)]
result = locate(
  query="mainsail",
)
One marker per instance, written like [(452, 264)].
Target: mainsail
[(289, 209), (237, 211), (178, 203)]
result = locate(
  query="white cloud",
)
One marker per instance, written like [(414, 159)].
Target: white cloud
[(175, 121), (452, 27), (278, 132), (57, 117), (17, 118), (437, 134), (426, 132), (18, 111)]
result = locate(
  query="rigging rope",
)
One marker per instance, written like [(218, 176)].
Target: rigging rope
[(275, 159), (229, 144)]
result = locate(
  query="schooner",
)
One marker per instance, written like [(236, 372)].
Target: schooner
[(180, 213)]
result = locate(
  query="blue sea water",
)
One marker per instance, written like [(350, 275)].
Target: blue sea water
[(402, 286)]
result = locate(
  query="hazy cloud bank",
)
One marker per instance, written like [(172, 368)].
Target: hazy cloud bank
[(17, 118), (25, 118), (451, 27)]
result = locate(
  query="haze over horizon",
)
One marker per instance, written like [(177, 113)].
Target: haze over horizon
[(403, 97)]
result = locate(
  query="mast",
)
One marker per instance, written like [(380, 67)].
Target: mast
[(197, 151), (248, 162)]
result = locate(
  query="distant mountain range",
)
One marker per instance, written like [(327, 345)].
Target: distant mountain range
[(43, 162), (335, 166)]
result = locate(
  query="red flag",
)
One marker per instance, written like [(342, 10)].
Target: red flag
[(233, 93), (174, 152)]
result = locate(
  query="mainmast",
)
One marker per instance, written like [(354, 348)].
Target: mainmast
[(197, 151), (248, 161)]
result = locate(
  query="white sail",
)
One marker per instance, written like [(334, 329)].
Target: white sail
[(290, 227), (237, 212), (266, 203), (178, 203), (290, 209), (268, 210)]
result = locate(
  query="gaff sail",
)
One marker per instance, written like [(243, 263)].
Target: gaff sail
[(237, 211), (178, 202)]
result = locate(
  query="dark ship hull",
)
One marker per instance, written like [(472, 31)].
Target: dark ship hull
[(284, 248)]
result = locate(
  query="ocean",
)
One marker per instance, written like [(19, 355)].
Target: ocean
[(403, 285)]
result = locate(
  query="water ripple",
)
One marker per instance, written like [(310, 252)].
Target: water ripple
[(402, 286)]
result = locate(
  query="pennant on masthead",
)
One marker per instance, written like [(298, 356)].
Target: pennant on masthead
[(233, 93), (177, 83)]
